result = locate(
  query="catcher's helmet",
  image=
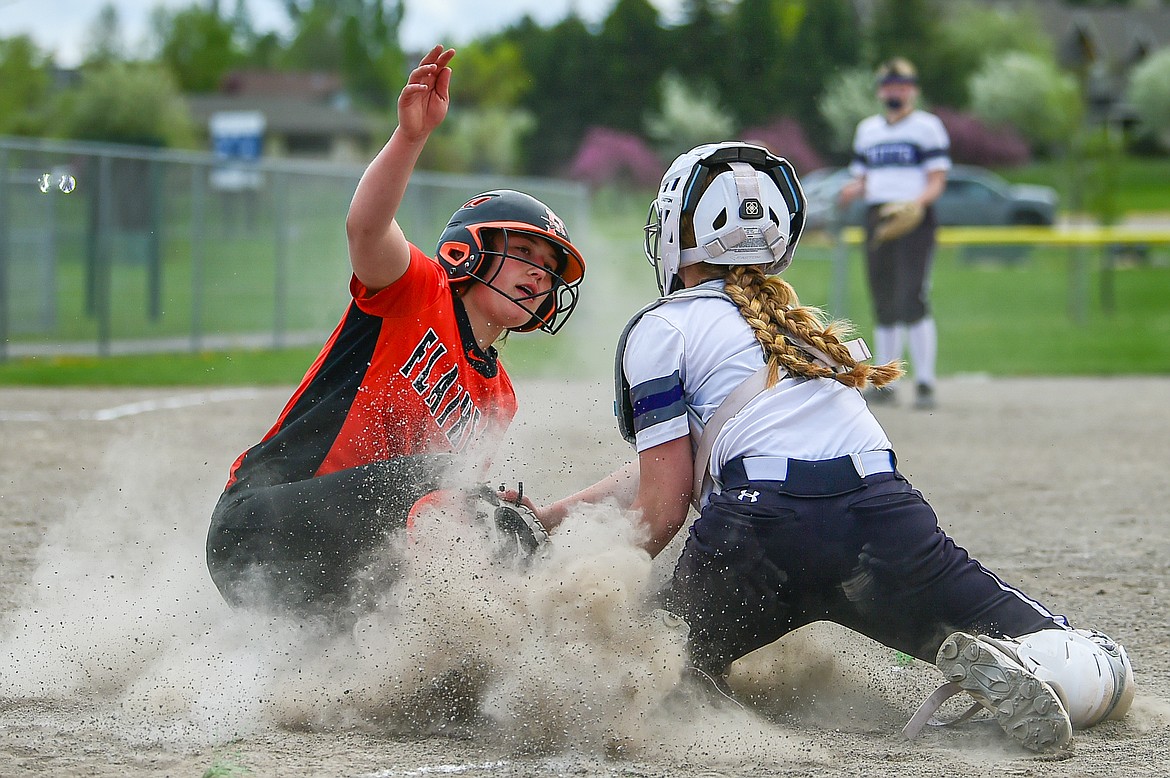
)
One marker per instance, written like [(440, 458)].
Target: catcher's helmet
[(466, 255), (751, 213)]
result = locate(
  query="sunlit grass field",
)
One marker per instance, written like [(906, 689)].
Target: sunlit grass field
[(1040, 311)]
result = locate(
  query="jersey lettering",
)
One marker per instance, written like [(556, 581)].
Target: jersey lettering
[(893, 154), (465, 424), (427, 342), (441, 386), (460, 418)]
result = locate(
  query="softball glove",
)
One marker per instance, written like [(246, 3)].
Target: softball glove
[(515, 523), (896, 220)]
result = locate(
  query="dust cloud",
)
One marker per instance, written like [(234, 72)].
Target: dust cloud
[(121, 629), (119, 658)]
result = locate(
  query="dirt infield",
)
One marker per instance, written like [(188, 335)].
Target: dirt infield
[(118, 658)]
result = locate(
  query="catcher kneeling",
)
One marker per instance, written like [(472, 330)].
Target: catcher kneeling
[(745, 404)]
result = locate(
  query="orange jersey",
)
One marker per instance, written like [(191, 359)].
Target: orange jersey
[(401, 374)]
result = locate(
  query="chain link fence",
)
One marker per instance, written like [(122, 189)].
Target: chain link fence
[(108, 249)]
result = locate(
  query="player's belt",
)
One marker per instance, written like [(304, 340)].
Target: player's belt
[(806, 477)]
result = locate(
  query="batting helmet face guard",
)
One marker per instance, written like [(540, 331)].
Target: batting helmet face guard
[(466, 252), (751, 212)]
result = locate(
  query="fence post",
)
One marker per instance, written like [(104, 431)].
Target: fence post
[(1078, 285), (839, 293), (49, 266), (103, 247), (5, 236), (198, 228), (154, 262), (280, 288), (1108, 262)]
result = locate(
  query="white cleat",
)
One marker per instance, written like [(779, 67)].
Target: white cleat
[(1027, 708)]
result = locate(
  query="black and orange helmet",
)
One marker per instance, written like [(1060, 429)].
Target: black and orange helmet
[(465, 254)]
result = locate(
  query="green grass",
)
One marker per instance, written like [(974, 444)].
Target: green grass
[(1045, 315), (1141, 182), (226, 368)]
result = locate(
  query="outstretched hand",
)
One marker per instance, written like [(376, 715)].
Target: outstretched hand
[(424, 100)]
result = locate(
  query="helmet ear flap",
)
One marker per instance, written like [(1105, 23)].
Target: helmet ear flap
[(457, 258)]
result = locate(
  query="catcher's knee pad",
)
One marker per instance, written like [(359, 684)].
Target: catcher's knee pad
[(1090, 672)]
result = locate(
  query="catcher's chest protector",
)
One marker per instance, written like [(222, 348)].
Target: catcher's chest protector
[(622, 407)]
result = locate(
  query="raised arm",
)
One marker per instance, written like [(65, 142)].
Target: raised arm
[(378, 251)]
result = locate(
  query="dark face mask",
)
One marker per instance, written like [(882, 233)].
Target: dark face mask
[(894, 103)]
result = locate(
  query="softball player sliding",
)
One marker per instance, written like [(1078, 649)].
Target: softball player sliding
[(407, 384), (746, 403)]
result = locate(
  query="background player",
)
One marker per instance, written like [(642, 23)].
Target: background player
[(804, 516), (408, 385), (900, 163)]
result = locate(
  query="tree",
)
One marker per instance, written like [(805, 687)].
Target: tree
[(972, 33), (564, 66), (24, 72), (489, 73), (1031, 94), (104, 41), (688, 116), (758, 59), (358, 38), (703, 31), (632, 46), (911, 29), (197, 45), (824, 42), (122, 103), (483, 140), (1149, 94), (848, 98)]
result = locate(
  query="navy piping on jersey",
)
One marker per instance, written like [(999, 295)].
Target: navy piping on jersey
[(657, 400)]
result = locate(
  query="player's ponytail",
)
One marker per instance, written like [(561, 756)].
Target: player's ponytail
[(770, 306)]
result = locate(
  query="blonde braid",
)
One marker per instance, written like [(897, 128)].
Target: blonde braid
[(770, 306)]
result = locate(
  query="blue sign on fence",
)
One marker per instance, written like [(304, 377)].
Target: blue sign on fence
[(237, 137)]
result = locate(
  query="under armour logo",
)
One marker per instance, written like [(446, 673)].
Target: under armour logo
[(751, 209), (744, 494)]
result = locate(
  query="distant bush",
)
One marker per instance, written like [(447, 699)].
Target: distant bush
[(785, 138), (121, 103), (689, 115), (974, 143), (848, 98), (610, 156), (1031, 94), (1149, 93)]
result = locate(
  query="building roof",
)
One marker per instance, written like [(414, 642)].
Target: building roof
[(310, 85), (288, 115)]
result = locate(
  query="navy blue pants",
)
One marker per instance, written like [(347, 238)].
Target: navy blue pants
[(899, 271), (760, 562)]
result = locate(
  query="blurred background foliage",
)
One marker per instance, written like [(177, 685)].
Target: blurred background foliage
[(527, 97)]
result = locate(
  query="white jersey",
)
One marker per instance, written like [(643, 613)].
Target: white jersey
[(684, 357), (895, 158)]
